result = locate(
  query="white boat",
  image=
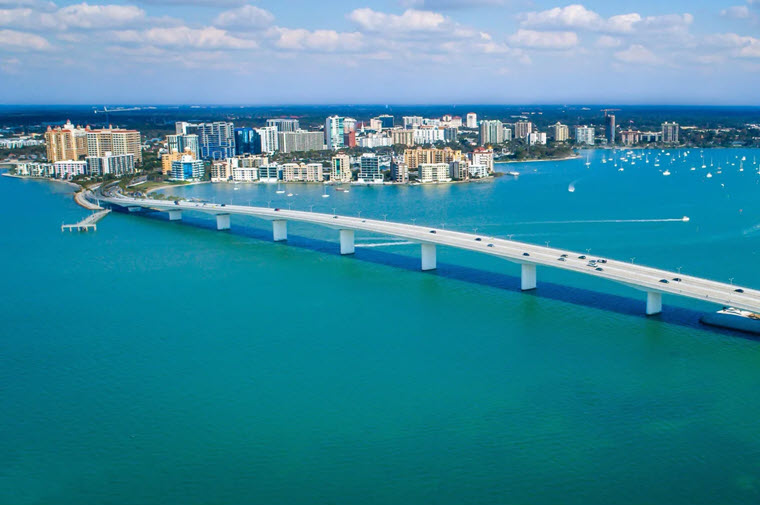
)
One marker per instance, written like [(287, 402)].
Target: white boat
[(513, 173), (709, 175), (666, 173), (279, 190), (290, 194), (325, 195)]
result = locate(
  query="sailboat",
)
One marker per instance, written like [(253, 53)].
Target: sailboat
[(588, 163), (325, 195), (279, 190)]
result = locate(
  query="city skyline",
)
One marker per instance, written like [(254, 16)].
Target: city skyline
[(393, 51)]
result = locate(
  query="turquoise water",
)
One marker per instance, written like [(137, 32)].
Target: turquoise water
[(167, 362)]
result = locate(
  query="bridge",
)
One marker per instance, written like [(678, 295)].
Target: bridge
[(649, 280), (90, 222)]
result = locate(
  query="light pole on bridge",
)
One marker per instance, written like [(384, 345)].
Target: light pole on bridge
[(633, 259), (731, 280)]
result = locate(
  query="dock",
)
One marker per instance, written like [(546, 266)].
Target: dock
[(87, 224)]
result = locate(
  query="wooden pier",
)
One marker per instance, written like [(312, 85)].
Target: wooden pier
[(87, 224)]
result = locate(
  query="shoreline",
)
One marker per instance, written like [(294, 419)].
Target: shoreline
[(78, 193)]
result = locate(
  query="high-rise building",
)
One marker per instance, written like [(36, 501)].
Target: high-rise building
[(114, 140), (670, 132), (433, 172), (181, 143), (414, 157), (450, 134), (410, 122), (483, 157), (405, 137), (334, 130), (386, 121), (472, 120), (110, 163), (428, 135), (300, 140), (559, 132), (268, 141), (585, 135), (369, 172), (168, 158), (491, 132), (349, 125), (217, 139), (246, 141), (522, 129), (609, 128), (65, 143), (187, 168), (536, 138), (340, 169), (349, 139), (399, 172), (284, 124), (459, 170)]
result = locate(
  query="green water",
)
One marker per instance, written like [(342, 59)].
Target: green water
[(167, 362)]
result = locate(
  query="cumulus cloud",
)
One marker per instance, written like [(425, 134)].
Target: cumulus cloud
[(247, 16), (318, 40), (411, 20), (608, 41), (208, 38), (544, 40), (12, 39), (741, 46), (82, 16), (736, 12), (637, 54)]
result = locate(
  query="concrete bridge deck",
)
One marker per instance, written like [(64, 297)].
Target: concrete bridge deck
[(646, 279)]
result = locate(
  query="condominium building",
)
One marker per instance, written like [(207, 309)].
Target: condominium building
[(414, 157), (630, 137), (168, 158), (433, 173), (428, 135), (334, 130), (536, 138), (483, 157), (187, 169), (69, 168), (284, 124), (184, 142), (302, 172), (670, 132), (399, 172), (459, 170), (269, 173), (610, 128), (405, 137), (478, 171), (246, 141), (522, 129), (374, 140), (410, 122), (300, 140), (109, 163), (585, 135), (65, 143), (491, 132), (369, 171), (114, 140), (472, 120), (340, 169), (34, 169), (559, 132), (267, 140), (349, 125), (217, 139)]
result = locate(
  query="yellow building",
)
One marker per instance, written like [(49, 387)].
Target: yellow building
[(65, 143), (340, 169), (415, 157), (174, 156), (117, 141), (405, 137)]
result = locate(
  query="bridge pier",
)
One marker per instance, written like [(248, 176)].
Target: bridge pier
[(428, 257), (346, 242), (222, 221), (175, 215), (280, 230), (528, 277), (654, 303)]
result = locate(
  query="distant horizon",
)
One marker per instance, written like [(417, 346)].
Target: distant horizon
[(382, 105)]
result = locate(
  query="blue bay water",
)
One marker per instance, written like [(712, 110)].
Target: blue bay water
[(167, 362)]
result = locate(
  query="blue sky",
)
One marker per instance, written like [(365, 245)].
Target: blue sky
[(374, 51)]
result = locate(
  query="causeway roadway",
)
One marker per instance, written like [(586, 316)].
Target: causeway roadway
[(647, 279)]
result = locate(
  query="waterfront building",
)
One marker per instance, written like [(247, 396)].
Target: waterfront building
[(369, 169), (536, 138), (340, 169), (651, 136), (182, 143), (245, 174), (268, 141), (109, 163), (609, 128), (522, 129), (299, 141), (284, 124), (414, 157), (478, 171), (427, 134), (246, 141), (115, 140), (411, 122), (168, 158), (20, 142), (482, 156), (559, 132), (491, 132), (472, 120), (269, 173), (334, 131), (302, 172), (35, 169), (65, 143), (217, 139), (187, 168), (433, 173), (405, 137), (459, 170), (630, 137), (670, 133), (585, 135), (67, 169), (399, 172), (222, 170)]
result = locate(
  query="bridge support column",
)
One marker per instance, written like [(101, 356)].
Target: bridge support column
[(175, 215), (280, 230), (346, 242), (428, 257), (654, 303), (222, 221), (528, 277)]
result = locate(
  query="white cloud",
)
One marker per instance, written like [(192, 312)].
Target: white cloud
[(21, 40), (318, 40), (208, 38), (637, 54), (736, 12), (544, 40), (410, 21), (83, 16), (608, 41), (741, 46), (247, 16)]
